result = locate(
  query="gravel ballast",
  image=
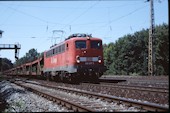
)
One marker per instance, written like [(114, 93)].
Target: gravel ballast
[(20, 100)]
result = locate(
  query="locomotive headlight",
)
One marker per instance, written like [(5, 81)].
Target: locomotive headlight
[(99, 59), (78, 59)]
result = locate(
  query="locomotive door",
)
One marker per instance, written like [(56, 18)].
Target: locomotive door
[(66, 56)]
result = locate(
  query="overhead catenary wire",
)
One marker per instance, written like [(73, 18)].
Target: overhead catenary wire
[(80, 15), (70, 26), (35, 17), (70, 23), (12, 13), (123, 16), (47, 23), (73, 7)]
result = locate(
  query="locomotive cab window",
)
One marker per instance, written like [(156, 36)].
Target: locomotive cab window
[(80, 44), (95, 44)]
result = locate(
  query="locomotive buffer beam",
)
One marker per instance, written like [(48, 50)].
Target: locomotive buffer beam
[(12, 46)]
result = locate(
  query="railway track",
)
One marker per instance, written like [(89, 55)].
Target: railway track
[(142, 80), (132, 87), (84, 106), (148, 88)]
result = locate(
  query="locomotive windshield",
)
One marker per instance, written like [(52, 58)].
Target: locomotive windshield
[(95, 44), (80, 44)]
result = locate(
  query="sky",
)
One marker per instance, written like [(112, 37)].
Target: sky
[(40, 24)]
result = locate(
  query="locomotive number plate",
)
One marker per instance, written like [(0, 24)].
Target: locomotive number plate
[(89, 58), (89, 63)]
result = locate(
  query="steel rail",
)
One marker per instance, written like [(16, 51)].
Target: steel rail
[(140, 88), (157, 88)]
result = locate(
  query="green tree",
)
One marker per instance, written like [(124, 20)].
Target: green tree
[(5, 64), (129, 54), (30, 56)]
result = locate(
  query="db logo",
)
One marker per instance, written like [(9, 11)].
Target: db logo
[(53, 60)]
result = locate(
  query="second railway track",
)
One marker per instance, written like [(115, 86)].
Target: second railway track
[(132, 87)]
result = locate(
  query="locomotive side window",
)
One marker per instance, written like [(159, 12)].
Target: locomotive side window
[(80, 44), (47, 54), (95, 44), (67, 46), (53, 52), (56, 50), (59, 49), (63, 48)]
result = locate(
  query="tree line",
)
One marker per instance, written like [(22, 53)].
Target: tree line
[(129, 54), (30, 56)]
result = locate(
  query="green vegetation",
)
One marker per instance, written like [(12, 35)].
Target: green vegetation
[(28, 57), (32, 55), (5, 64), (129, 54)]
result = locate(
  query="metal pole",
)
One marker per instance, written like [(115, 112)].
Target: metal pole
[(151, 55)]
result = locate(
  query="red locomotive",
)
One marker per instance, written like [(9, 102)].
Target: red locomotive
[(78, 58)]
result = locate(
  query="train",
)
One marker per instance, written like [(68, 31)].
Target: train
[(78, 58)]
